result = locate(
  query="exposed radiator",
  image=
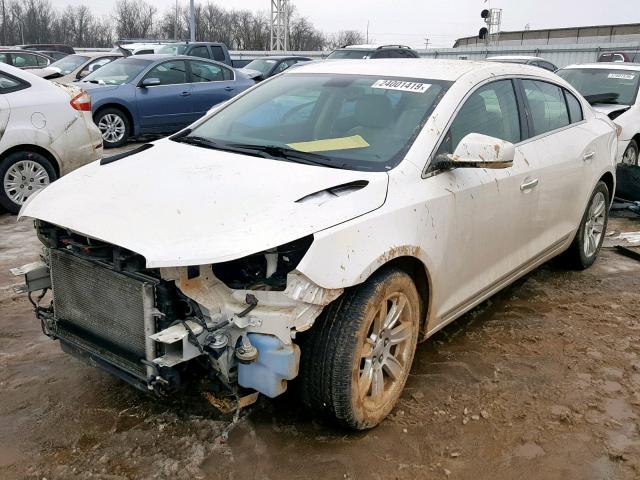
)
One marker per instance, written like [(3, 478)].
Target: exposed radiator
[(103, 311)]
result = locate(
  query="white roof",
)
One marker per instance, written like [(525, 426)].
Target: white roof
[(449, 70), (608, 66), (515, 57), (366, 46)]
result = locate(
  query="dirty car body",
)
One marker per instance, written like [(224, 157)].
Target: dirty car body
[(46, 131), (229, 242)]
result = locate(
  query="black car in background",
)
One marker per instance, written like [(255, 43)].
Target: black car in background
[(53, 47), (265, 67), (358, 52), (53, 54)]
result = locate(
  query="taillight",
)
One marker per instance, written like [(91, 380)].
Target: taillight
[(81, 102)]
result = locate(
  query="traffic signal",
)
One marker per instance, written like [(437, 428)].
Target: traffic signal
[(482, 34)]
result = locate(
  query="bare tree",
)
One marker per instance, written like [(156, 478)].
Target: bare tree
[(37, 21), (345, 37)]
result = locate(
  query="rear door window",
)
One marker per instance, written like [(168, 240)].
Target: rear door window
[(575, 109), (24, 60), (201, 51), (218, 53), (10, 84), (547, 106), (206, 72)]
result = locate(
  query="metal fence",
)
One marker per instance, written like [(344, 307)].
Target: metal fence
[(560, 55)]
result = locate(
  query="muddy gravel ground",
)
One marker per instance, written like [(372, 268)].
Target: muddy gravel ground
[(540, 382)]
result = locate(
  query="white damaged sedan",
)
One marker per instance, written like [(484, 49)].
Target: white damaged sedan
[(319, 225)]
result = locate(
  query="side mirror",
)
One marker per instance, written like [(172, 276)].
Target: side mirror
[(150, 82), (479, 151)]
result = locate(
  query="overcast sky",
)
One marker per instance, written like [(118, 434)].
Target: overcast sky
[(442, 21)]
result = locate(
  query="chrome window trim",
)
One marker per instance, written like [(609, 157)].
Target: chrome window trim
[(425, 170)]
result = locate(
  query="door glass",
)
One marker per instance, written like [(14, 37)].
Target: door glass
[(201, 51), (100, 62), (206, 72), (491, 110), (42, 61), (381, 54), (169, 73), (24, 60), (7, 83), (281, 68), (228, 74), (575, 110), (547, 106), (218, 53)]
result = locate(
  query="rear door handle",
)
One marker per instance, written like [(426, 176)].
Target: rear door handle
[(185, 94), (528, 184), (589, 156), (228, 89)]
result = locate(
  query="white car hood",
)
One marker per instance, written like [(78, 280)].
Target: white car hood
[(44, 72), (180, 205)]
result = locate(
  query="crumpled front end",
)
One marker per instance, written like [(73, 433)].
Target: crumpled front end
[(154, 328)]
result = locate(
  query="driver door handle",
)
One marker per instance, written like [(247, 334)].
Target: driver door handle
[(228, 89), (528, 184), (185, 94)]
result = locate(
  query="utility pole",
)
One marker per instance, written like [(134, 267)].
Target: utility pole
[(192, 20), (367, 32), (175, 23), (4, 24), (426, 43)]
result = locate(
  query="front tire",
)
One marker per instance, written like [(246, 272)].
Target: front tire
[(114, 126), (21, 175), (593, 226), (356, 359), (630, 156)]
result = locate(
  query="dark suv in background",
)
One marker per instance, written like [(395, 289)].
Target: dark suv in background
[(355, 52)]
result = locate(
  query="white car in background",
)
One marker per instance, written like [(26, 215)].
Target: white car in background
[(321, 223), (47, 131), (75, 67), (612, 89)]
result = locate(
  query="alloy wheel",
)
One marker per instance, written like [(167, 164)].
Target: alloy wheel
[(387, 351), (594, 226), (112, 128), (23, 179)]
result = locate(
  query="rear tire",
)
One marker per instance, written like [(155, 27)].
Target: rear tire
[(114, 126), (22, 174), (356, 359), (593, 227)]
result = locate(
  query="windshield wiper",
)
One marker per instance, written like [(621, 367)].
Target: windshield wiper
[(265, 151), (206, 143), (290, 154)]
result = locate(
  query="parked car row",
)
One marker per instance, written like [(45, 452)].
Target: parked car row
[(317, 225), (612, 89)]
